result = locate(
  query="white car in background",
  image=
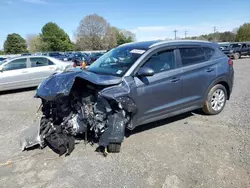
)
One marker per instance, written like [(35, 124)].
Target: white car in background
[(29, 71)]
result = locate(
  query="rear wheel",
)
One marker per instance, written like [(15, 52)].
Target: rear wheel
[(236, 55), (114, 147), (216, 100)]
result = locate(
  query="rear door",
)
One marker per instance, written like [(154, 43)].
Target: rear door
[(14, 75), (199, 71), (40, 68)]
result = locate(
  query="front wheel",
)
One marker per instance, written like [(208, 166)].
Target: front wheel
[(216, 100)]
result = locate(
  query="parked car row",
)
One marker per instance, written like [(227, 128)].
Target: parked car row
[(235, 50), (79, 58)]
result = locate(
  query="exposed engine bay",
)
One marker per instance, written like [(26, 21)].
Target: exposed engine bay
[(82, 112)]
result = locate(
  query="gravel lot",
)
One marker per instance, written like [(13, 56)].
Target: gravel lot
[(185, 151)]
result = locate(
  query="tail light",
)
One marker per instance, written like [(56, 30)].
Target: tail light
[(230, 62), (74, 65)]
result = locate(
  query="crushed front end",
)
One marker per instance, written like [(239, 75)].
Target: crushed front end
[(72, 104)]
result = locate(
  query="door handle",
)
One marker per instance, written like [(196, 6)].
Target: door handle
[(175, 79), (210, 69), (24, 72)]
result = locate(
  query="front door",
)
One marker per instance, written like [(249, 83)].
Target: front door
[(159, 94), (14, 75)]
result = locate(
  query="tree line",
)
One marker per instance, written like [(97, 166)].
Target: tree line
[(240, 34), (95, 33)]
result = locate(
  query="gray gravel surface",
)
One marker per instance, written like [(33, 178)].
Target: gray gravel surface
[(185, 151)]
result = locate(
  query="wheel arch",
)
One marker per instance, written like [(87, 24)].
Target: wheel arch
[(223, 81)]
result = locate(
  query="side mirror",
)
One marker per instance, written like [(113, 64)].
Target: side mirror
[(145, 71), (1, 69)]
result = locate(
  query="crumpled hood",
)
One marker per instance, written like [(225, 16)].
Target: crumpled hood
[(61, 84)]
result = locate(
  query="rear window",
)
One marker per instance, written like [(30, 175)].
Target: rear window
[(40, 61)]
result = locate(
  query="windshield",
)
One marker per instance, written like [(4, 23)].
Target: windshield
[(117, 61), (2, 62), (235, 45)]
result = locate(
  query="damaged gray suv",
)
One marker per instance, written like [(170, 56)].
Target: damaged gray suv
[(131, 85)]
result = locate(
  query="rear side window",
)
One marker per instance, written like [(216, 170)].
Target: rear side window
[(15, 64), (244, 46), (192, 55), (195, 55), (209, 53), (40, 62)]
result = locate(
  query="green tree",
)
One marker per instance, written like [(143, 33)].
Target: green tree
[(1, 52), (124, 36), (15, 44), (243, 33), (227, 36), (34, 43), (54, 38)]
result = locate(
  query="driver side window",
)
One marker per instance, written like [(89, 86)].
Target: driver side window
[(161, 61)]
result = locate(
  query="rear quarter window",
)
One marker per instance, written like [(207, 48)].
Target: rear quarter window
[(209, 53)]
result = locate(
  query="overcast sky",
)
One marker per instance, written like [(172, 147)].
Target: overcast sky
[(147, 19)]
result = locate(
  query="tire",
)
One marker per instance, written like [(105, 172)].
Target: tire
[(114, 147), (236, 55), (215, 102)]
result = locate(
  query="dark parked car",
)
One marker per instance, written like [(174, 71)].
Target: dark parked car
[(2, 58), (79, 59), (132, 85), (95, 55), (236, 50)]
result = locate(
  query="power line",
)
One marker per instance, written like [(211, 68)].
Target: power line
[(175, 31)]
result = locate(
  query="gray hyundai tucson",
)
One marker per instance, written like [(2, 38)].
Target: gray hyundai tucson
[(131, 85)]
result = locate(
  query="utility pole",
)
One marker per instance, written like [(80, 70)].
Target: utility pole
[(185, 34), (215, 30), (175, 31)]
